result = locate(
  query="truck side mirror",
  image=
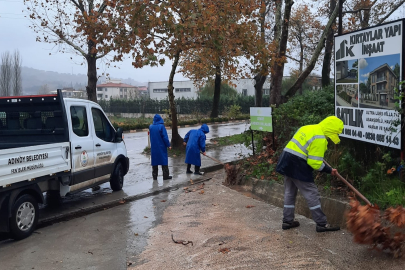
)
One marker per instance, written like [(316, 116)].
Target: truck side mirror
[(118, 135)]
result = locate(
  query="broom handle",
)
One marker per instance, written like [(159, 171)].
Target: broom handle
[(350, 186), (214, 159)]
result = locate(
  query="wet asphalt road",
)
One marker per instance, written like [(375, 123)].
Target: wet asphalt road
[(139, 178), (107, 239)]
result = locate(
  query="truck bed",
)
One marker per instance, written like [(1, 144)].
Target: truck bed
[(29, 163)]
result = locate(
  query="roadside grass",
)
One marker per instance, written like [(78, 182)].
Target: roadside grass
[(228, 140), (215, 143), (144, 122)]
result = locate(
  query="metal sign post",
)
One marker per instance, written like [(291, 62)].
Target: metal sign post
[(261, 120)]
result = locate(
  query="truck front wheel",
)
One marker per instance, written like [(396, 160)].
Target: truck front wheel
[(117, 178), (24, 217)]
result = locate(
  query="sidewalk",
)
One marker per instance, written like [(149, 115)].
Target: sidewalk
[(249, 238)]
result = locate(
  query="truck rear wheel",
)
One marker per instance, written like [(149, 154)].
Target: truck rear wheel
[(117, 178), (24, 217)]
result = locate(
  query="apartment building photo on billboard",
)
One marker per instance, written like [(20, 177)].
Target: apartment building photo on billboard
[(379, 77)]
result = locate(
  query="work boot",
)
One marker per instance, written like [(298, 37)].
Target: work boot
[(188, 168), (290, 225), (166, 175), (326, 228), (197, 170), (154, 172)]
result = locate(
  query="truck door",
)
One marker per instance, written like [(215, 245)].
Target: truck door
[(81, 142), (105, 148)]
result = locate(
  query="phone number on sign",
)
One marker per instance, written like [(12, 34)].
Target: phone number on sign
[(371, 136)]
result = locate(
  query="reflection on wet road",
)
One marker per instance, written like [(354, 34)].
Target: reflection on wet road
[(139, 178)]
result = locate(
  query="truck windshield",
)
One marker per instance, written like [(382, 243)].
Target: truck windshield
[(32, 121)]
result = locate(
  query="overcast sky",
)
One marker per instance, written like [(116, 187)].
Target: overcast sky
[(16, 34)]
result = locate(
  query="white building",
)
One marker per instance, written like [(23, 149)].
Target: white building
[(117, 90), (187, 89)]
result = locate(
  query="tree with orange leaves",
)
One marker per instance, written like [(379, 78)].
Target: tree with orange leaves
[(173, 27), (89, 27), (187, 28), (228, 33)]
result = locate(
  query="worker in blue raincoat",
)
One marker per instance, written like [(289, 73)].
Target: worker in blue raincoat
[(195, 141), (159, 142), (303, 154)]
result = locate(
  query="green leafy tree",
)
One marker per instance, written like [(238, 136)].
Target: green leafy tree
[(396, 70), (209, 89), (364, 89)]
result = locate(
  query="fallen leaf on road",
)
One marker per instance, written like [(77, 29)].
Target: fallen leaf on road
[(191, 181), (185, 188), (224, 250), (90, 252), (214, 204), (122, 201), (135, 234), (145, 217), (194, 190), (262, 177), (249, 206), (163, 200), (174, 156), (201, 192)]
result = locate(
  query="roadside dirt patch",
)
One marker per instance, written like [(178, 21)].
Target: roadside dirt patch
[(231, 236)]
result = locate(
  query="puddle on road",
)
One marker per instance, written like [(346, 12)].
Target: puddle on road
[(144, 215)]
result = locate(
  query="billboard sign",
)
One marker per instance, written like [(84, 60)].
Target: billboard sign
[(368, 67), (260, 119)]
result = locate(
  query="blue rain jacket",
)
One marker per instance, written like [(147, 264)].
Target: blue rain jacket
[(195, 140), (159, 141)]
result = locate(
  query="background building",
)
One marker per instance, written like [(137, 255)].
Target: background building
[(117, 90), (187, 89)]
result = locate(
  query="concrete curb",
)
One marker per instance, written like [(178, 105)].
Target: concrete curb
[(273, 193), (100, 207)]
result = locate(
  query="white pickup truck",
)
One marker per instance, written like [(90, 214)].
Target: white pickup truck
[(53, 144)]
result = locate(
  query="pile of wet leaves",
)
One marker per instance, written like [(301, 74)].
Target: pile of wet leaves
[(383, 231)]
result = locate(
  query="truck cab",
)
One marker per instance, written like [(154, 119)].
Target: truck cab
[(54, 145)]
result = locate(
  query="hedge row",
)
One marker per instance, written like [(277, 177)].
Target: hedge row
[(127, 127), (184, 106)]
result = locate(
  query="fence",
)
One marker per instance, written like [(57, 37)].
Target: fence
[(184, 106)]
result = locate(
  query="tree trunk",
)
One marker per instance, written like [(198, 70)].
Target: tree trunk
[(301, 60), (277, 31), (328, 49), (261, 77), (217, 92), (259, 82), (278, 70), (177, 140), (291, 92), (91, 77)]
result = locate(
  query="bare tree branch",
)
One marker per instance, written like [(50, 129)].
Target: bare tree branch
[(291, 92), (392, 11)]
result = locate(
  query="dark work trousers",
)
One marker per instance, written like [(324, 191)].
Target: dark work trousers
[(197, 168), (311, 194), (165, 169)]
